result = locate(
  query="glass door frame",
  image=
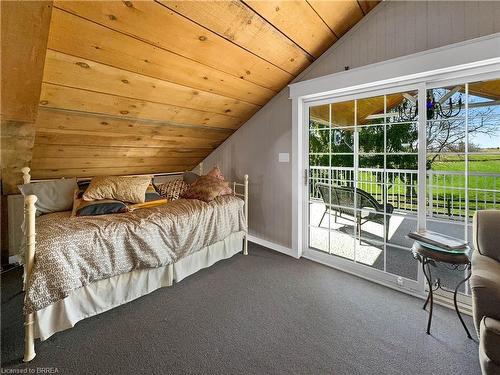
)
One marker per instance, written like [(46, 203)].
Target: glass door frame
[(382, 277), (373, 274), (466, 61)]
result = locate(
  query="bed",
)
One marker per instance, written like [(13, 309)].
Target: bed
[(75, 269)]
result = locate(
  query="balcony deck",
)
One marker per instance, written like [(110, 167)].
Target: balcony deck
[(369, 248)]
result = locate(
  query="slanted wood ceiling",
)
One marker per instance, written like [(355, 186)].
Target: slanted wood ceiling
[(154, 86)]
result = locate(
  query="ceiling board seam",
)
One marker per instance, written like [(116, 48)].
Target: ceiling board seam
[(173, 52), (143, 100), (311, 57), (133, 157), (173, 148), (141, 120), (160, 79), (345, 37), (116, 134), (230, 41), (360, 7), (129, 141), (321, 18)]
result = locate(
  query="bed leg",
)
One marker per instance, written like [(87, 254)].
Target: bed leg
[(171, 274), (245, 244), (29, 258), (29, 338)]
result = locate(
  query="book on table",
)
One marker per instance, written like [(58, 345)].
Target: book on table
[(439, 241)]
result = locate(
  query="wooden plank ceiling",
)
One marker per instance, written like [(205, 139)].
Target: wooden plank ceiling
[(23, 54), (154, 86)]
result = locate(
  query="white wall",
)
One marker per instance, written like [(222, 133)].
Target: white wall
[(392, 29)]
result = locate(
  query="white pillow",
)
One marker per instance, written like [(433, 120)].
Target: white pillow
[(53, 196)]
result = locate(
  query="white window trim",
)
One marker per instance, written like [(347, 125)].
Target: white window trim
[(478, 57)]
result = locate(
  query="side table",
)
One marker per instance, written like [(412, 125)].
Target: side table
[(459, 262)]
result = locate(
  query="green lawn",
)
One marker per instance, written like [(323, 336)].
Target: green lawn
[(448, 191)]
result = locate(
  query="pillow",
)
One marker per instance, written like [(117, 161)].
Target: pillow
[(94, 208), (190, 177), (205, 188), (151, 194), (172, 189), (216, 172), (53, 196), (125, 189)]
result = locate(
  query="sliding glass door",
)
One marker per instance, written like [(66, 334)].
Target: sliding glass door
[(363, 176), (463, 160), (363, 182)]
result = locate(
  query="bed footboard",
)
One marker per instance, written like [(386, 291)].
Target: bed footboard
[(243, 195), (29, 257)]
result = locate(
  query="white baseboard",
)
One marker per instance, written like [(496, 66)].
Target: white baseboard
[(273, 246)]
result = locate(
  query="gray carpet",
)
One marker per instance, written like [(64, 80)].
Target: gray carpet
[(265, 313)]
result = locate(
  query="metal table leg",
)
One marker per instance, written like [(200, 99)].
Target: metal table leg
[(456, 304), (430, 295)]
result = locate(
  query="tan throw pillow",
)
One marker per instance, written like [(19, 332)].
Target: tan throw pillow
[(205, 188), (217, 173), (125, 189), (172, 189)]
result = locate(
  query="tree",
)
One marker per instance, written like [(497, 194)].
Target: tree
[(442, 135)]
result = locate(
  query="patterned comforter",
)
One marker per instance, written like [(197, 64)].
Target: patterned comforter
[(72, 252)]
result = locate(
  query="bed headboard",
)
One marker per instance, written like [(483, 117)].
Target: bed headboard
[(156, 176)]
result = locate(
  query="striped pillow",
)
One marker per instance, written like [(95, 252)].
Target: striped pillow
[(172, 189)]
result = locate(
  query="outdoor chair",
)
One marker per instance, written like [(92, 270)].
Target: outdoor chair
[(339, 198)]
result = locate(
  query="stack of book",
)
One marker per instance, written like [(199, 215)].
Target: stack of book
[(439, 242)]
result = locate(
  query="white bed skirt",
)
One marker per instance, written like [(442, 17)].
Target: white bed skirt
[(209, 255), (103, 295)]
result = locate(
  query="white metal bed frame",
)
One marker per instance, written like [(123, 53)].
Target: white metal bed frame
[(30, 241)]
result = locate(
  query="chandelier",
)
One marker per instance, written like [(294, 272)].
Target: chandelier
[(443, 108)]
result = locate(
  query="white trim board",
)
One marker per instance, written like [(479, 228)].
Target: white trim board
[(273, 246), (451, 59)]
